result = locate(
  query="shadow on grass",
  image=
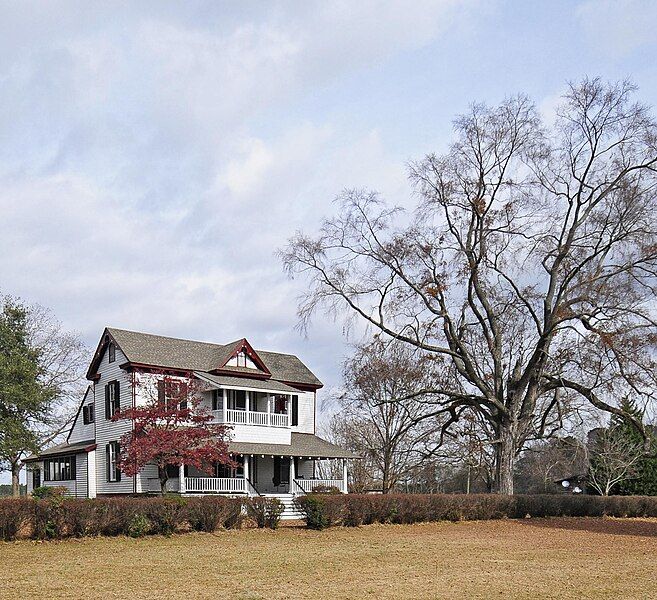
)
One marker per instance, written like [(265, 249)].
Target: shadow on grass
[(609, 526)]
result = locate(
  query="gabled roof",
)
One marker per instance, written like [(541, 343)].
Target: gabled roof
[(243, 346), (146, 349)]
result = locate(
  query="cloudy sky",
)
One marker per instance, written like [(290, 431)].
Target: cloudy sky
[(154, 155)]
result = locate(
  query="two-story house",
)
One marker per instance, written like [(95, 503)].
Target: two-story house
[(268, 399)]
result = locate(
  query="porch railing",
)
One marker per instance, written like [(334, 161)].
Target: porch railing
[(216, 485), (309, 485), (252, 417)]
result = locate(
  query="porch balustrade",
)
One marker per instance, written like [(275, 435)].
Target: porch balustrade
[(215, 484), (251, 417), (308, 485)]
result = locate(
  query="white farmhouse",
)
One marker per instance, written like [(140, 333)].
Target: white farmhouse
[(269, 400)]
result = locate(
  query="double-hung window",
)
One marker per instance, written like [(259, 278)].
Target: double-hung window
[(172, 393), (112, 399), (112, 453)]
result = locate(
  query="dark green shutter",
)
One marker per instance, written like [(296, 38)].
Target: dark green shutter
[(107, 402), (107, 462), (117, 396), (295, 410), (117, 454)]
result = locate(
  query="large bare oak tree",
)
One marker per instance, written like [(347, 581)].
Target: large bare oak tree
[(527, 269)]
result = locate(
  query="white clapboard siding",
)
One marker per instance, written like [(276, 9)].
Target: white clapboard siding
[(111, 431), (306, 413), (81, 432), (81, 487)]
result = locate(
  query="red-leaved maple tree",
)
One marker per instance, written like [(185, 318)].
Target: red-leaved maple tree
[(171, 428)]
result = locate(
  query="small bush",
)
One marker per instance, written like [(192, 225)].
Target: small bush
[(44, 492), (165, 514), (321, 510), (139, 526), (14, 513), (266, 512), (208, 514)]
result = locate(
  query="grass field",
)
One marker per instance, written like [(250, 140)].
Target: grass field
[(537, 558)]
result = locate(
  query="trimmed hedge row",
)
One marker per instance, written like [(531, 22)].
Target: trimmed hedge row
[(57, 517), (352, 510)]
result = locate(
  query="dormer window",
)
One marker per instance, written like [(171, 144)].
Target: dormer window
[(111, 352)]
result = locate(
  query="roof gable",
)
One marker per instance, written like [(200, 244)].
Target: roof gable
[(146, 349), (242, 350)]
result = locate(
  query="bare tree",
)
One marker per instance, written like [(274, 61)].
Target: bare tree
[(613, 458), (468, 448), (393, 436), (544, 463), (527, 270)]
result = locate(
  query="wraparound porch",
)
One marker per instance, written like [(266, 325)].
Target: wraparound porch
[(259, 474)]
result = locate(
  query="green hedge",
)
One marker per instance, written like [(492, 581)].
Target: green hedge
[(352, 510), (57, 517)]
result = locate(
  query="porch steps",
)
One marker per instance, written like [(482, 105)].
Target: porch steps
[(290, 512)]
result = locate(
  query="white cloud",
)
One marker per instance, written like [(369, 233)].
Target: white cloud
[(153, 158)]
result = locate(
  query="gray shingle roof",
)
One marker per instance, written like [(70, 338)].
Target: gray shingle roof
[(175, 353), (303, 444), (265, 385), (60, 449)]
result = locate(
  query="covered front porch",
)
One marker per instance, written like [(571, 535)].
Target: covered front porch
[(270, 469)]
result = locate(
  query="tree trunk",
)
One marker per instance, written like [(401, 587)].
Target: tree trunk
[(15, 481), (164, 477), (505, 458)]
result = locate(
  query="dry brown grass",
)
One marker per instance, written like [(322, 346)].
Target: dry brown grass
[(537, 558)]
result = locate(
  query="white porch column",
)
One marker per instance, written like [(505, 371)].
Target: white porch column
[(269, 399), (293, 476), (91, 474), (345, 487), (248, 404), (246, 466), (182, 488), (224, 406)]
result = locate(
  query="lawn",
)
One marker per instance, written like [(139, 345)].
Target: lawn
[(532, 558)]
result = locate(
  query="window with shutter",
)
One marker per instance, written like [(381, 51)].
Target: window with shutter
[(112, 451), (88, 414), (112, 399), (172, 391), (111, 352)]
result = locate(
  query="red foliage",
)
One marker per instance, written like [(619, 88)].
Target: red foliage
[(171, 428)]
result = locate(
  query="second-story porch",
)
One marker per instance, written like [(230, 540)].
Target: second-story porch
[(245, 401)]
